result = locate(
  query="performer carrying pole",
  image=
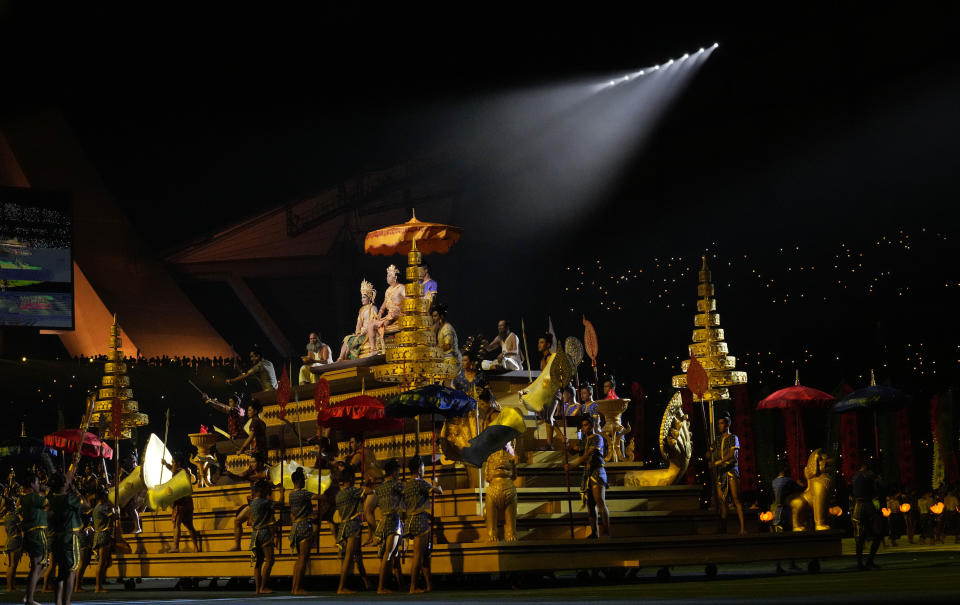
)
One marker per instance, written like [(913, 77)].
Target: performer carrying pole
[(566, 465)]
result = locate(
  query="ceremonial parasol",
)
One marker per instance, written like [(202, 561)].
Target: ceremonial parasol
[(69, 440), (793, 400), (396, 239), (872, 398), (431, 399)]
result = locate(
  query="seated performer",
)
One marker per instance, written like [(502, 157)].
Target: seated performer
[(261, 539), (318, 353), (610, 388), (594, 484), (358, 344), (416, 494), (509, 344), (429, 284), (301, 528), (390, 312), (350, 528), (446, 338), (783, 487), (388, 496), (182, 509), (261, 370), (725, 457)]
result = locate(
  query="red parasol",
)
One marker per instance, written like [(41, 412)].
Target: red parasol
[(361, 413), (431, 238), (791, 401), (69, 439)]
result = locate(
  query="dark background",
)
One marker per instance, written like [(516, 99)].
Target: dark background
[(812, 136)]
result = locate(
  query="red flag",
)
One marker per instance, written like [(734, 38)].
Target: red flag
[(116, 417), (321, 394), (590, 340), (283, 392), (697, 380)]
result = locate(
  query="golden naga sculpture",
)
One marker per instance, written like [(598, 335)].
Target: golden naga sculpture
[(812, 502), (501, 495), (676, 445)]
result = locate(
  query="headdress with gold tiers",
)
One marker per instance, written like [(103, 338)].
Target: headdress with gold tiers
[(367, 289), (115, 385), (708, 346), (414, 359), (392, 270)]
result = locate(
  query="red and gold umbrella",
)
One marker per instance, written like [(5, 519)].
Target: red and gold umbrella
[(792, 400), (432, 238), (69, 440), (362, 414)]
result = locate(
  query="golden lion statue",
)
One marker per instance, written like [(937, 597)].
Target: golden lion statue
[(676, 445), (812, 502), (501, 495)]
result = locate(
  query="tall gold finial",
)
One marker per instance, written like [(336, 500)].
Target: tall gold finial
[(708, 345), (873, 381), (796, 377), (115, 386)]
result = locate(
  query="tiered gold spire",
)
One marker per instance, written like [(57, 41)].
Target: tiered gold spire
[(708, 346), (115, 384), (414, 359)]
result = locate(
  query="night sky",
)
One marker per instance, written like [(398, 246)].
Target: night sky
[(807, 139)]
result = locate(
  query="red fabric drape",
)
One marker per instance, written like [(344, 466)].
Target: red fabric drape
[(639, 402), (283, 392), (743, 428), (908, 471), (849, 445), (321, 394), (796, 442)]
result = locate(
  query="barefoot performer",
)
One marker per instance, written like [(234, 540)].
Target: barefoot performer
[(261, 539), (301, 528), (349, 515), (417, 495), (389, 497), (594, 485)]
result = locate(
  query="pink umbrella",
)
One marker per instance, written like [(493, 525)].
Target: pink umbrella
[(69, 440)]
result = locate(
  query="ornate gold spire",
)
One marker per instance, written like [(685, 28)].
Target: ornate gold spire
[(115, 384), (414, 359), (708, 346)]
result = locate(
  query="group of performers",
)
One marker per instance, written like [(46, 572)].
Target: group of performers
[(59, 527)]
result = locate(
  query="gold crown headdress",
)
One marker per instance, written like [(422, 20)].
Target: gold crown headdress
[(392, 270), (367, 289)]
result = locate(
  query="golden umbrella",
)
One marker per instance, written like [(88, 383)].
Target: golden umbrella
[(396, 239)]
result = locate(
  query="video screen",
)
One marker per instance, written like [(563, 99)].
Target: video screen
[(36, 259)]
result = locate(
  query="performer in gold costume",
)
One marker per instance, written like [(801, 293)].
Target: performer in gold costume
[(359, 344), (446, 339), (724, 456), (390, 312)]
